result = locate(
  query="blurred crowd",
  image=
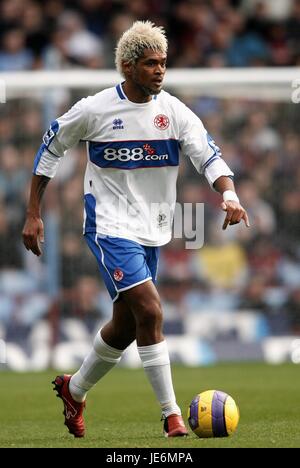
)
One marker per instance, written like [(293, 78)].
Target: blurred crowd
[(256, 269), (60, 34)]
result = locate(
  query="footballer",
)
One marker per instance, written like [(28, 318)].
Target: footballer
[(135, 133)]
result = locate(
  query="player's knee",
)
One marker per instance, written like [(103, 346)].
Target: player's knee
[(149, 314)]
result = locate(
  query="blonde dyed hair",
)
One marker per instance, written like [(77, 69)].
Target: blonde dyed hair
[(142, 35)]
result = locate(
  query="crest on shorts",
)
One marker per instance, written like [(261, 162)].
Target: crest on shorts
[(161, 122), (118, 274)]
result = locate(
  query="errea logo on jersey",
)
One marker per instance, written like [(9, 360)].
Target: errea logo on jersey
[(118, 124)]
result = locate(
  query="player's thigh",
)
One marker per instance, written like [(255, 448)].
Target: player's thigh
[(143, 301)]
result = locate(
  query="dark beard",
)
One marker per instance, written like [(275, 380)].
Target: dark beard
[(147, 91)]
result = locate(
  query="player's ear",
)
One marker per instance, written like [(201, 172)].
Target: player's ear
[(127, 68)]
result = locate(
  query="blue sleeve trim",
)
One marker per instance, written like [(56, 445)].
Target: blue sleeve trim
[(50, 134), (38, 157), (213, 158), (47, 139), (212, 144)]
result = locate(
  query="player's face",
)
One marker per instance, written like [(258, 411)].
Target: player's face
[(149, 71)]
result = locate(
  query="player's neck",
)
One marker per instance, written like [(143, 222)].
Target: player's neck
[(135, 93)]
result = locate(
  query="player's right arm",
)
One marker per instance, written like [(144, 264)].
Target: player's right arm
[(33, 231), (63, 133)]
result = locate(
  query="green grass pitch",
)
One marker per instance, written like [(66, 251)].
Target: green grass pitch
[(122, 411)]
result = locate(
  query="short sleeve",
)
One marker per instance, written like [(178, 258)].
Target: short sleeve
[(63, 133), (199, 146)]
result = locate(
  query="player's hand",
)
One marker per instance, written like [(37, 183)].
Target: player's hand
[(33, 234), (235, 213)]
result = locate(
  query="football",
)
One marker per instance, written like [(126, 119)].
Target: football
[(213, 414)]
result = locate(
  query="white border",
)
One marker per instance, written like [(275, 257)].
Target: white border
[(135, 284)]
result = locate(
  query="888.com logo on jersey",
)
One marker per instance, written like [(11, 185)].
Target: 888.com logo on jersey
[(146, 153), (135, 154)]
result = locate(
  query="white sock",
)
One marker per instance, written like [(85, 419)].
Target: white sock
[(96, 364), (156, 362)]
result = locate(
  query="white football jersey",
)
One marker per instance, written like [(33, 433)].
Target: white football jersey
[(133, 154)]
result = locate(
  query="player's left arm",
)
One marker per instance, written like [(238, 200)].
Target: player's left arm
[(231, 204), (206, 156)]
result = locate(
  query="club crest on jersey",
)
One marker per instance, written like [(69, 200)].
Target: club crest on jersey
[(118, 124), (161, 122), (118, 274)]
